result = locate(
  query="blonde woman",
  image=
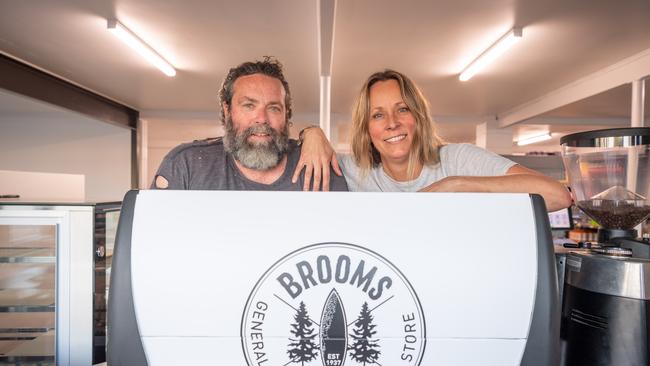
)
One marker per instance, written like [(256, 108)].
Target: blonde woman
[(395, 148)]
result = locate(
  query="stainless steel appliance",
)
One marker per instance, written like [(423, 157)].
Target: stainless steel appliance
[(606, 308), (561, 252), (605, 300)]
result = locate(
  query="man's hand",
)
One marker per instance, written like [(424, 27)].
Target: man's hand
[(316, 156)]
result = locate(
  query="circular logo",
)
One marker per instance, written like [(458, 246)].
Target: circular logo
[(333, 304)]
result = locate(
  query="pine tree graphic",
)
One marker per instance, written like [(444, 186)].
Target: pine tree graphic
[(364, 348), (302, 347)]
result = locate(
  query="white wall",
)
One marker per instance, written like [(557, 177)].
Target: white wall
[(70, 143), (28, 186)]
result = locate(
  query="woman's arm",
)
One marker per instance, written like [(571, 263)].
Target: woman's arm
[(316, 156), (516, 180)]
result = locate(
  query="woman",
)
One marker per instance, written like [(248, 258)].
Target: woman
[(395, 148)]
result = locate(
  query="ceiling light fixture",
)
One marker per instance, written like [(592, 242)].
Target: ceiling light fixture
[(489, 55), (133, 41), (534, 139)]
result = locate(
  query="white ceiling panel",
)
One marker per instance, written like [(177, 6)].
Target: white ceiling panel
[(432, 41)]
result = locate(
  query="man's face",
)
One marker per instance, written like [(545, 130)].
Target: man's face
[(257, 134)]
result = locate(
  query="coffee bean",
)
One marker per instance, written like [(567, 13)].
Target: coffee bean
[(615, 214)]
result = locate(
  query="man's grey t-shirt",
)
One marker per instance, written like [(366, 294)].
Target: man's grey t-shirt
[(455, 160), (205, 165)]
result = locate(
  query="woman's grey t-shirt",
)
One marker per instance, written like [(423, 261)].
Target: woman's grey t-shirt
[(455, 160)]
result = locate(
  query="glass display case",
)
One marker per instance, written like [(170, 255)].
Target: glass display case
[(54, 268), (27, 292)]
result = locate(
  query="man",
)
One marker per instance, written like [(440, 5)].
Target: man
[(256, 152)]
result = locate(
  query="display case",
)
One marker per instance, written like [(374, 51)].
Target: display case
[(54, 260)]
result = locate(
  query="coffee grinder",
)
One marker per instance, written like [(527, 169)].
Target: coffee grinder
[(606, 299)]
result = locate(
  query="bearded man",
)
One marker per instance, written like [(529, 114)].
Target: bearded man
[(256, 152)]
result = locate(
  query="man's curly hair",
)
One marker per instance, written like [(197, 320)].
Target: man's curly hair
[(269, 66)]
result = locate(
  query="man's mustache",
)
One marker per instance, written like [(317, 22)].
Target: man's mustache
[(261, 129)]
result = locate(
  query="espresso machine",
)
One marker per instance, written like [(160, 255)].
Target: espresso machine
[(606, 298)]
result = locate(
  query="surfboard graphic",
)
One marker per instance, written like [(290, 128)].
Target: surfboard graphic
[(333, 331)]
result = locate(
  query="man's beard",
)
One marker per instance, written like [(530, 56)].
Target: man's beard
[(259, 155)]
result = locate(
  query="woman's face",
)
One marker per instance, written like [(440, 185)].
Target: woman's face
[(391, 125)]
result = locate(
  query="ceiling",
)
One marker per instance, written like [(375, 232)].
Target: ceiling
[(430, 40)]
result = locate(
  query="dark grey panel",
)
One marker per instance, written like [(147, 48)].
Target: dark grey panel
[(124, 342), (543, 346)]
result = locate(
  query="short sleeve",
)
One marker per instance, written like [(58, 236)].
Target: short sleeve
[(471, 160), (352, 173), (174, 170)]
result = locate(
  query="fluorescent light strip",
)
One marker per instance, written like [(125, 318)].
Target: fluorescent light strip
[(534, 139), (496, 50), (128, 37)]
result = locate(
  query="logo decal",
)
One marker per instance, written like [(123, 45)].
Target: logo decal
[(333, 304)]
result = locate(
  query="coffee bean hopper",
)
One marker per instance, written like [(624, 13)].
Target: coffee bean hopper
[(609, 174), (606, 299)]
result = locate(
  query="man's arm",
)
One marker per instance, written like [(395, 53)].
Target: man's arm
[(517, 179)]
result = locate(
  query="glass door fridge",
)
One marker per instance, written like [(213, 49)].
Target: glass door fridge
[(54, 269)]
